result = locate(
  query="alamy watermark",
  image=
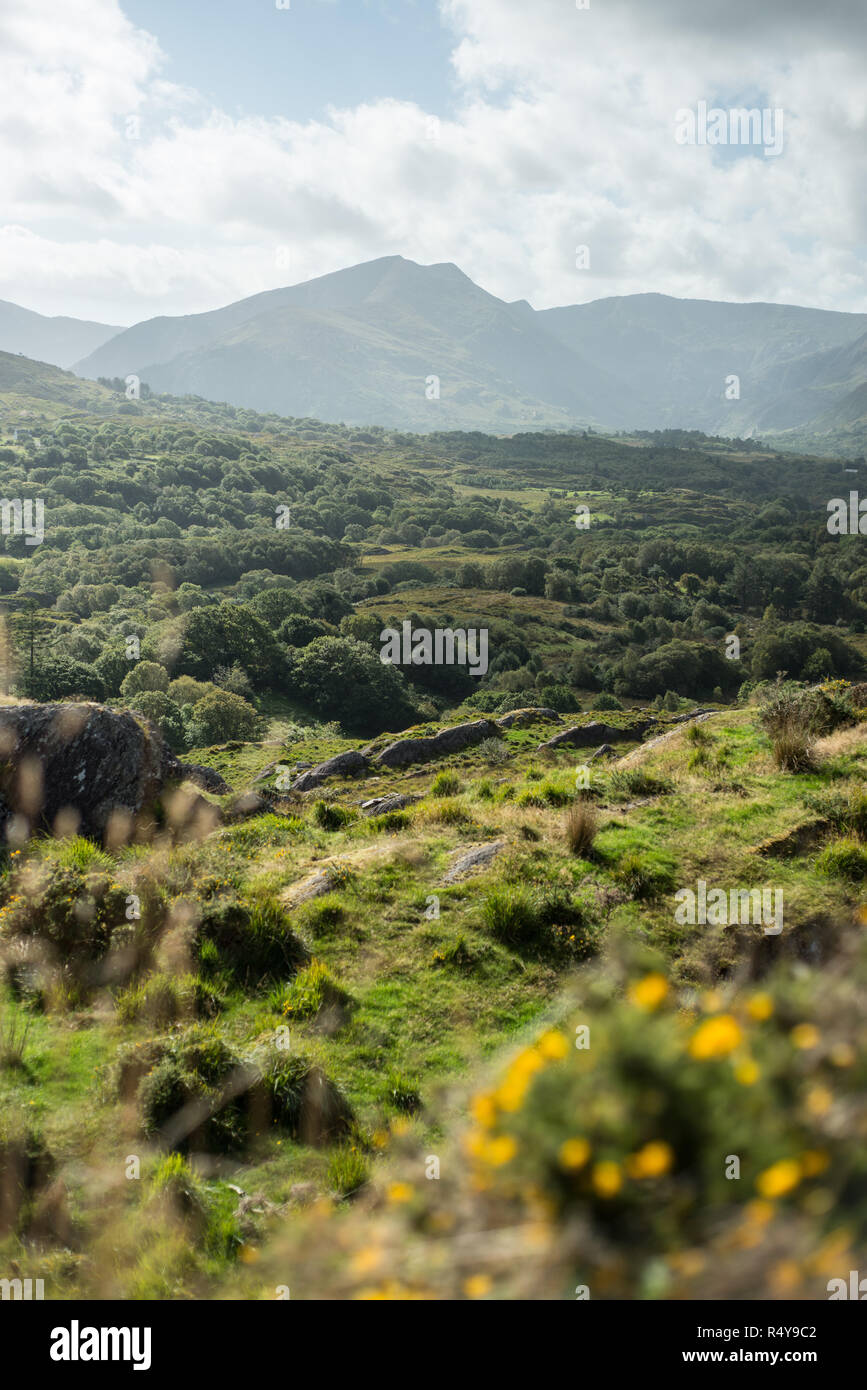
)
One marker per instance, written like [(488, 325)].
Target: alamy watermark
[(738, 126), (444, 646), (23, 516), (737, 907)]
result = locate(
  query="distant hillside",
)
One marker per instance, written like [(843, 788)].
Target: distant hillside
[(24, 383), (363, 344), (60, 341)]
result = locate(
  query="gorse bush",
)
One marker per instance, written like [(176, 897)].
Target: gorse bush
[(313, 991), (331, 817)]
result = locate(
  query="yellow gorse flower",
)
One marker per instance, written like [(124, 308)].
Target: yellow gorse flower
[(717, 1037), (573, 1154), (649, 992), (781, 1178), (654, 1160)]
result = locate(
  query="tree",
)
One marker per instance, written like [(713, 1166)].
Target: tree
[(145, 675), (220, 716), (344, 679)]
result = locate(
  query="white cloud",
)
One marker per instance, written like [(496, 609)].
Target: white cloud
[(564, 136)]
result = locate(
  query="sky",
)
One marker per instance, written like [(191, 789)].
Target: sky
[(161, 157)]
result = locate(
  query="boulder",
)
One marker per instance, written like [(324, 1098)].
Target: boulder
[(350, 764), (79, 766), (475, 858), (206, 778), (533, 714), (424, 750), (585, 735), (380, 805)]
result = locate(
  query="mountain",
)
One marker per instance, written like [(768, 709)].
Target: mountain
[(60, 341), (27, 387), (362, 344)]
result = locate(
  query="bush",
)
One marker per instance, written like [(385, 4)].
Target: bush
[(313, 991), (846, 859), (252, 945), (347, 1172), (446, 784), (331, 817), (221, 716), (606, 701)]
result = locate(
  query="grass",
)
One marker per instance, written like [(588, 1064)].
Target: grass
[(431, 997)]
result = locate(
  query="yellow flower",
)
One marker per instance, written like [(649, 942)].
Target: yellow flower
[(716, 1038), (484, 1110), (785, 1276), (500, 1150), (747, 1072), (400, 1192), (553, 1046), (248, 1254), (649, 992), (780, 1178), (652, 1161), (574, 1153), (805, 1035), (367, 1259), (760, 1007), (607, 1178), (477, 1285)]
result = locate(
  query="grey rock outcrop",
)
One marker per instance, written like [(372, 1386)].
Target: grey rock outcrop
[(79, 766), (405, 751), (349, 764)]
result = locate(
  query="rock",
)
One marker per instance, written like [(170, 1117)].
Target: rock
[(380, 805), (189, 815), (475, 858), (424, 750), (350, 764), (518, 718), (585, 735), (606, 751), (206, 778), (316, 885), (79, 766)]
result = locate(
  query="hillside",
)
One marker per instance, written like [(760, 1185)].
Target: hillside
[(361, 344), (58, 340), (338, 918)]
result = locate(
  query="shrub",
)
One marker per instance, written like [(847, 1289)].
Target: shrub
[(606, 701), (331, 817), (495, 751), (511, 915), (254, 944), (220, 716), (637, 781), (145, 675), (582, 825), (846, 811), (446, 784), (846, 859)]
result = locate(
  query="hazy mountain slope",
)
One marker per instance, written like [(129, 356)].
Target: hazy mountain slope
[(60, 341), (679, 353), (360, 344), (23, 380)]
